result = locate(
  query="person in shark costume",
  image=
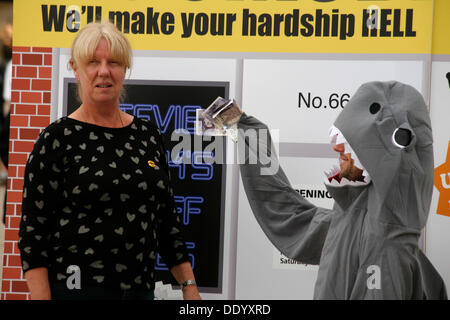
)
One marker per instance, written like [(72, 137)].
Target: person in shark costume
[(367, 244)]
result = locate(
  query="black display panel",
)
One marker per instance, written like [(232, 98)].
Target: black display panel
[(199, 186)]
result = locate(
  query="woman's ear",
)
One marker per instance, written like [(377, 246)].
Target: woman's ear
[(74, 68)]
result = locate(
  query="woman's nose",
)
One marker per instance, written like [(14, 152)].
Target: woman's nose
[(103, 69)]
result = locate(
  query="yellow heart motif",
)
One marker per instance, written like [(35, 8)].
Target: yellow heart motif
[(151, 163)]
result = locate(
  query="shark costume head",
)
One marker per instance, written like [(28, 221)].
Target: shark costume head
[(387, 130)]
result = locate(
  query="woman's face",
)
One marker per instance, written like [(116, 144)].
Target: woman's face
[(101, 78)]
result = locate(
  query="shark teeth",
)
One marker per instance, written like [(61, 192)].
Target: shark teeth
[(337, 137)]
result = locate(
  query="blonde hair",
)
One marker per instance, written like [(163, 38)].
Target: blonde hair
[(87, 39), (86, 42)]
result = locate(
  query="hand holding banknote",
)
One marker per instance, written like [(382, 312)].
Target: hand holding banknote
[(220, 118)]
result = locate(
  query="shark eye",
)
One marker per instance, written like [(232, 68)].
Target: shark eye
[(374, 107), (401, 137)]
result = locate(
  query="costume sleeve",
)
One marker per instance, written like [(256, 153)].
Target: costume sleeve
[(296, 227), (42, 181), (172, 247)]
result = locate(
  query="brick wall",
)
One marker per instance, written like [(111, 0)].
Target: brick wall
[(30, 113)]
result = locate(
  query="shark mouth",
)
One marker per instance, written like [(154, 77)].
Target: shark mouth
[(332, 176)]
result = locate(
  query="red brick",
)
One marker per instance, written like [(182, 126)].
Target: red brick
[(6, 286), (23, 146), (5, 259), (17, 158), (8, 247), (17, 184), (19, 286), (14, 196), (13, 133), (44, 110), (20, 84), (28, 134), (18, 121), (11, 235), (39, 121), (21, 171), (42, 49), (38, 84), (31, 97), (11, 273), (25, 109), (14, 222), (12, 170), (21, 49), (10, 209), (32, 59), (15, 96), (14, 260), (13, 71), (16, 58), (47, 96), (14, 296), (26, 72), (48, 59), (16, 247), (45, 72)]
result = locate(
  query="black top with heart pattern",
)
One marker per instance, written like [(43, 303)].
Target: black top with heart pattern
[(101, 199)]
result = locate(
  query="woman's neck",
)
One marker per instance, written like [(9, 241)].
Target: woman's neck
[(106, 117)]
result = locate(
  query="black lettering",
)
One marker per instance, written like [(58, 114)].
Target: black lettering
[(231, 18), (187, 24), (397, 18), (138, 25), (335, 23), (217, 24), (90, 14), (385, 22), (245, 23), (322, 20), (370, 22), (265, 28), (152, 21), (291, 24), (308, 29), (53, 18), (201, 24), (365, 18), (347, 26), (120, 18), (301, 98), (277, 24), (409, 32), (167, 23)]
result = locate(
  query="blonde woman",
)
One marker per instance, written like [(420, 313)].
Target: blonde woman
[(97, 202)]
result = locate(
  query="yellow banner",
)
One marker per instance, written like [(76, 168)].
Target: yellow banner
[(327, 26), (441, 27)]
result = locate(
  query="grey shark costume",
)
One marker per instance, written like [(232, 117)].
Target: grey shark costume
[(367, 244)]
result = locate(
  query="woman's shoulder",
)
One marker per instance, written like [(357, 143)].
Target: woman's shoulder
[(58, 127), (147, 125)]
